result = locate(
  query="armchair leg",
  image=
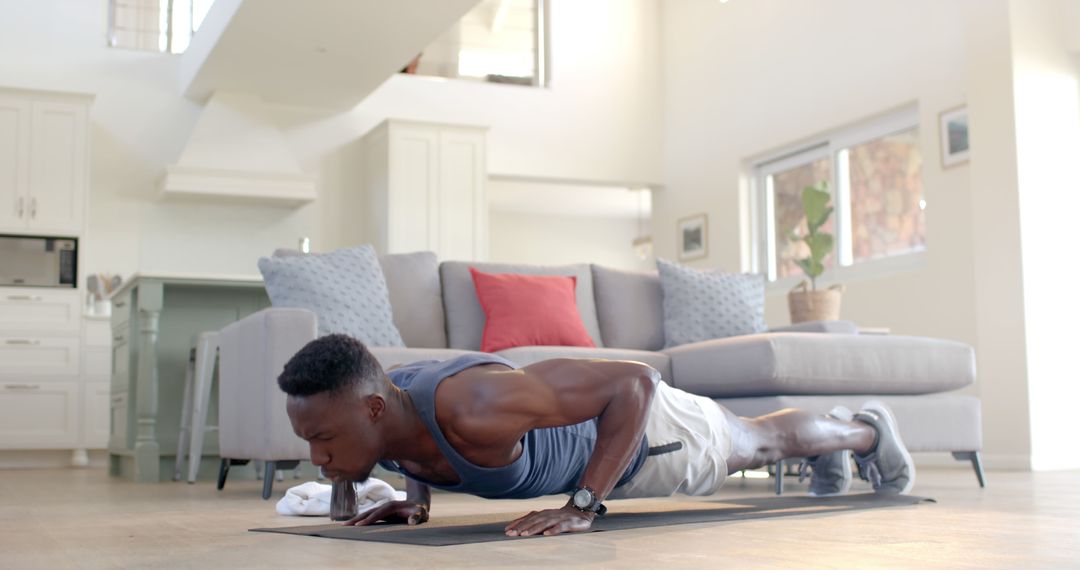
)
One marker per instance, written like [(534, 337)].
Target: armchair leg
[(976, 464), (268, 479), (779, 477), (223, 472)]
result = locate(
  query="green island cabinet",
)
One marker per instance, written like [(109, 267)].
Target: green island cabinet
[(155, 318)]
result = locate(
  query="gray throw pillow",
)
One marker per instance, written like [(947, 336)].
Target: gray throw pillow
[(703, 305), (345, 289)]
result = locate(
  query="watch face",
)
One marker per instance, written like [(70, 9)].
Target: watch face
[(582, 498)]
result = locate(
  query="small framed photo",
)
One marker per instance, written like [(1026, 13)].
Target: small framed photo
[(693, 237), (953, 125)]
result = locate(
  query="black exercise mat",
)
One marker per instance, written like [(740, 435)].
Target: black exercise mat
[(491, 530)]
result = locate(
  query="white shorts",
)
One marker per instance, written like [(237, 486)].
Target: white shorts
[(689, 441)]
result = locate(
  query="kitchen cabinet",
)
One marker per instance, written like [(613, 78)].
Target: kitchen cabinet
[(44, 170)]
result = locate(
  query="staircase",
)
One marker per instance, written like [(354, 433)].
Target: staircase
[(315, 53)]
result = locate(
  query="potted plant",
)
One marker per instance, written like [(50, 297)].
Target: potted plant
[(805, 301)]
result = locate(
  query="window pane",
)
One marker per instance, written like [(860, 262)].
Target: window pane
[(789, 217), (496, 41), (887, 216)]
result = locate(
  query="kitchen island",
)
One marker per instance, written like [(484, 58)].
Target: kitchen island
[(155, 317)]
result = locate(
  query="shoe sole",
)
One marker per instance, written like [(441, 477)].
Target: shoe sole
[(879, 407), (848, 475)]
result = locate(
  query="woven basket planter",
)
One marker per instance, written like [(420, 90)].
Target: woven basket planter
[(806, 305)]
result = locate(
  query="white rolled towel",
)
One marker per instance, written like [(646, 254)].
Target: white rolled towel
[(313, 499)]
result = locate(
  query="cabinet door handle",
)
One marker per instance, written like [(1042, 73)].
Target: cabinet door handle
[(24, 298), (118, 304), (24, 341), (19, 206), (33, 208), (22, 386), (118, 339), (117, 399)]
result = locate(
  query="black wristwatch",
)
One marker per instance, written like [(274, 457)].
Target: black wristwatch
[(584, 499)]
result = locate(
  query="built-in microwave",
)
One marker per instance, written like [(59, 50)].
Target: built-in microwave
[(36, 261)]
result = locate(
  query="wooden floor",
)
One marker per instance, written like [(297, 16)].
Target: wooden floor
[(54, 519)]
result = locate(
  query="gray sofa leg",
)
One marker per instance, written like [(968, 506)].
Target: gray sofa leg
[(779, 477), (976, 464)]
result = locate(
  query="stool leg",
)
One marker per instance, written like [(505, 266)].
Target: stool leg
[(268, 479), (185, 420), (205, 358)]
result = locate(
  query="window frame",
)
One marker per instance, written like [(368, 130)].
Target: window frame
[(834, 146)]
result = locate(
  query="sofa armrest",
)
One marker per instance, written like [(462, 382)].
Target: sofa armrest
[(831, 327), (251, 407)]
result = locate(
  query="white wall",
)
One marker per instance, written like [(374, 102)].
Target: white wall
[(570, 224), (537, 222), (558, 240), (1047, 96), (598, 121), (745, 78), (995, 253)]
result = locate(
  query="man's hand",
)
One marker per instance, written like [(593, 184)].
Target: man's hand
[(550, 522), (400, 512)]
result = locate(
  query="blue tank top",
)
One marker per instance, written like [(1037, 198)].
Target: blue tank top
[(552, 460)]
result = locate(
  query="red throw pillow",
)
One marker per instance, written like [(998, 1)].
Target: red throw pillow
[(529, 310)]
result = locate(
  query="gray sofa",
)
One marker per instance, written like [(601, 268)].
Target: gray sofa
[(814, 366)]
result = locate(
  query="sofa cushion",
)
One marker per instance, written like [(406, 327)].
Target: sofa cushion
[(813, 363), (930, 422), (528, 310), (345, 289), (416, 296), (630, 308), (831, 327), (526, 355), (465, 317), (391, 356), (702, 305)]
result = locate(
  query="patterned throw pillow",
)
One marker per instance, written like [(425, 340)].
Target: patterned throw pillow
[(345, 289), (703, 305)]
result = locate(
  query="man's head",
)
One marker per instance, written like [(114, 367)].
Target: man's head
[(337, 403)]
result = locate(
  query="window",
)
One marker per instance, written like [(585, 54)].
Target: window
[(874, 171), (155, 25), (498, 41)]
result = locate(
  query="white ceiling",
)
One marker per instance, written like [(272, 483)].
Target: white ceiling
[(555, 199), (324, 53)]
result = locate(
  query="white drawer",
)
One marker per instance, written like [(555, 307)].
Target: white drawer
[(97, 364), (97, 333), (23, 356), (39, 415), (44, 310), (96, 416)]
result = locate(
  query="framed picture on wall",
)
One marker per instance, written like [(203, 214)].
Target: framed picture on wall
[(693, 237), (953, 125)]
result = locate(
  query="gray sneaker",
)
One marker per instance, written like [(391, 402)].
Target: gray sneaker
[(831, 472), (889, 467)]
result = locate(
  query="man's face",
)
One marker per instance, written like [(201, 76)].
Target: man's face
[(343, 431)]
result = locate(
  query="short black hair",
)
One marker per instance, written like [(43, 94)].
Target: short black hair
[(331, 364)]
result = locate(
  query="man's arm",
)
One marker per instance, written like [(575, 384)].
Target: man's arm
[(565, 392), (413, 510), (418, 493)]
